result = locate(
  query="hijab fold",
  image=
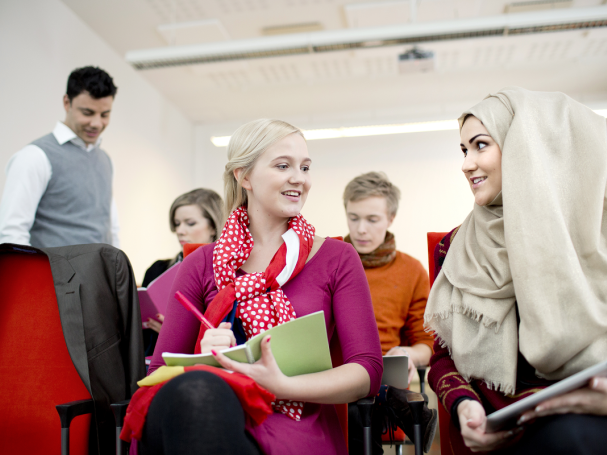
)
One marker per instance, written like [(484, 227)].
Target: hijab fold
[(540, 245)]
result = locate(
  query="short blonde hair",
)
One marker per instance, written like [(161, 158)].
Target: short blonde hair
[(373, 184), (246, 145), (210, 204)]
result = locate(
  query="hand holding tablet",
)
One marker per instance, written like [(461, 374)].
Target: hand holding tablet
[(591, 399), (507, 417)]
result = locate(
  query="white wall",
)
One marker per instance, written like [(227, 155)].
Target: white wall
[(425, 166), (149, 140)]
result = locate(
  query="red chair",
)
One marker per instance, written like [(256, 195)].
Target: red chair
[(444, 419), (35, 366)]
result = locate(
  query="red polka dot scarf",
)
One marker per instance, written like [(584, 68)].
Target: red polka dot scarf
[(261, 303)]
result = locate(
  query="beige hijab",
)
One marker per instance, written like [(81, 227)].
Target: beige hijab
[(544, 249)]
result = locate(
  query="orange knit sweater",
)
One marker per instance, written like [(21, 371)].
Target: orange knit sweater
[(399, 291)]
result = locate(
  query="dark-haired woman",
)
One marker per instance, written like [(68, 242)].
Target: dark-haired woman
[(196, 217)]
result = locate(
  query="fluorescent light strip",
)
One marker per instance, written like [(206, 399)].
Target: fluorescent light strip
[(375, 130), (360, 131)]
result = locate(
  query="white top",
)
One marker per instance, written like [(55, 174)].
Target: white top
[(28, 173)]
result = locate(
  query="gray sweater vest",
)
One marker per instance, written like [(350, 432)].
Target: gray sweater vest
[(75, 208)]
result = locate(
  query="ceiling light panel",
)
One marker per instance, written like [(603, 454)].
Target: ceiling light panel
[(185, 10), (536, 5), (179, 10), (286, 29), (193, 32), (360, 15)]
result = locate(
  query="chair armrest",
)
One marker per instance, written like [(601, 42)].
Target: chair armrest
[(67, 411), (416, 404), (119, 410), (422, 378), (364, 406)]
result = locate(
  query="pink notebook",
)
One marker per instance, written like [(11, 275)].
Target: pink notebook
[(154, 298)]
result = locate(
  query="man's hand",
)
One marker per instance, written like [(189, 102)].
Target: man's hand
[(587, 400), (218, 339), (399, 350), (264, 372), (472, 420)]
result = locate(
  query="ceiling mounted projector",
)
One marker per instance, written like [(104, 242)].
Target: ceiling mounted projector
[(415, 61)]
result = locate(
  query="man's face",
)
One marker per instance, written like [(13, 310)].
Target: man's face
[(368, 221), (87, 116)]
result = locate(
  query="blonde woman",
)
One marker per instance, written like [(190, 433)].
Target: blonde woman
[(267, 180)]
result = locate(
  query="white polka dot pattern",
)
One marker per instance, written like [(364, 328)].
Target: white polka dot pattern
[(261, 303)]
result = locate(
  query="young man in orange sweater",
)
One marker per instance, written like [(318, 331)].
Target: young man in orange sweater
[(399, 286)]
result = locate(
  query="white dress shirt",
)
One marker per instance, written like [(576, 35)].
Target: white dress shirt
[(27, 175)]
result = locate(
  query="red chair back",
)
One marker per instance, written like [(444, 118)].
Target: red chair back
[(342, 409), (444, 418), (191, 247), (35, 366)]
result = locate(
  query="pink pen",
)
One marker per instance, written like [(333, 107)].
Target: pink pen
[(190, 307)]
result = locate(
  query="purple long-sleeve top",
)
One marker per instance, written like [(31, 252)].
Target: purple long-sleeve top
[(333, 281)]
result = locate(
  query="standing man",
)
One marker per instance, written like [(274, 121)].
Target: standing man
[(58, 189)]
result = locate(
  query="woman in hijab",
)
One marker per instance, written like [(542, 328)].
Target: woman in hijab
[(521, 297)]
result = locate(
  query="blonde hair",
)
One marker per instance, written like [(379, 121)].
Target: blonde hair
[(246, 145), (373, 184), (210, 204)]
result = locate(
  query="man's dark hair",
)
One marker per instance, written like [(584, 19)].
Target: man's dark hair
[(90, 79)]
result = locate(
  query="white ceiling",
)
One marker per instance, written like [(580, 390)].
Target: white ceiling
[(342, 87)]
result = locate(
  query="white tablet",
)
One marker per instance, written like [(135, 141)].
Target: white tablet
[(506, 418), (396, 371)]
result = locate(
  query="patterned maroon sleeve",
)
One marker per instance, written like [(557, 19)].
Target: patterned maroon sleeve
[(443, 377)]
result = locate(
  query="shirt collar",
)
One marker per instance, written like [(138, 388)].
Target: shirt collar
[(63, 134)]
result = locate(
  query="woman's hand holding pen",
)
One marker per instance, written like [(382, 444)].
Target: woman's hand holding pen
[(265, 371), (218, 339)]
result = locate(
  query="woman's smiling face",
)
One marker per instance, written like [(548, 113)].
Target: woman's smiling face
[(482, 161), (279, 182)]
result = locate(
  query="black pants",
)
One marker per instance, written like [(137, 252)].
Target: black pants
[(196, 413), (563, 434)]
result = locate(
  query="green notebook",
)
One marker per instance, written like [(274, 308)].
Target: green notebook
[(300, 346)]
